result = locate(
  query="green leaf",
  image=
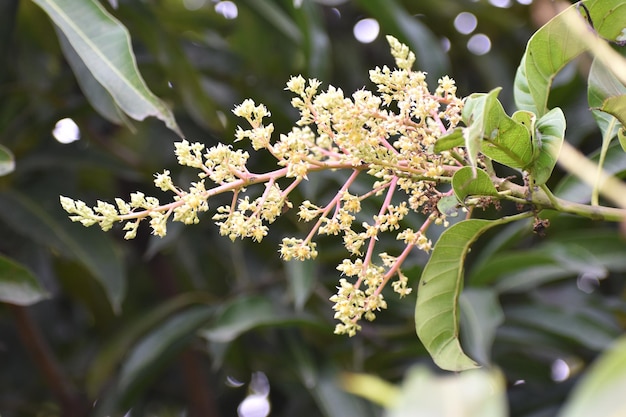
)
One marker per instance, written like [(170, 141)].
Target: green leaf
[(244, 314), (274, 14), (491, 131), (481, 315), (316, 43), (301, 277), (603, 85), (469, 394), (99, 98), (112, 355), (18, 285), (466, 184), (621, 136), (549, 137), (616, 106), (449, 204), (584, 327), (601, 390), (553, 46), (103, 44), (449, 141), (87, 246), (7, 161), (437, 310), (150, 356)]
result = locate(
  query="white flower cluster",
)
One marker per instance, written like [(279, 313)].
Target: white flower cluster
[(388, 135)]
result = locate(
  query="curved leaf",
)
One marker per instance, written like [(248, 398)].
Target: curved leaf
[(601, 391), (437, 309), (18, 285), (603, 86), (449, 141), (491, 131), (553, 46), (103, 44), (550, 134), (465, 184)]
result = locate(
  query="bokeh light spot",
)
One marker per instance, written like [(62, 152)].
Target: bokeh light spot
[(366, 30), (560, 370), (228, 9), (479, 44), (501, 3), (445, 44), (465, 23), (66, 131)]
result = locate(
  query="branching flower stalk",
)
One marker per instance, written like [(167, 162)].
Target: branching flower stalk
[(388, 135)]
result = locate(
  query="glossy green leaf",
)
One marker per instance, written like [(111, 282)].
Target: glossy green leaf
[(192, 86), (87, 246), (103, 44), (18, 285), (527, 119), (492, 132), (437, 311), (99, 98), (554, 46), (7, 161), (550, 134), (469, 394), (601, 391), (481, 315), (465, 184), (475, 116)]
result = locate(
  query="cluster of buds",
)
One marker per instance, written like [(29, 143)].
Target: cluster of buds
[(388, 135)]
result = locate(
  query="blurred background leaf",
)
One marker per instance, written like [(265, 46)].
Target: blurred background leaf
[(137, 313)]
